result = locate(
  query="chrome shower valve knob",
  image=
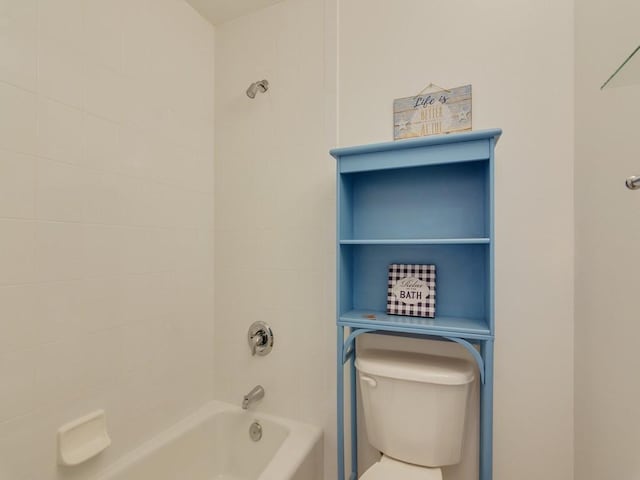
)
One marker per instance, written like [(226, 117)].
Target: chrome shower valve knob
[(260, 338), (633, 182)]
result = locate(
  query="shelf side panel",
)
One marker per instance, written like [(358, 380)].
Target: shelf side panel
[(345, 278), (444, 201), (345, 206), (461, 270), (491, 232)]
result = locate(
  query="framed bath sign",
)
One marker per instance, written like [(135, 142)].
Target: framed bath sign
[(441, 111), (411, 290)]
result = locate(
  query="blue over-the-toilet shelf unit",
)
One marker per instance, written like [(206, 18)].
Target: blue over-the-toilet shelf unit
[(426, 200)]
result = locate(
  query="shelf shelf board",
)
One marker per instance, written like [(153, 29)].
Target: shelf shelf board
[(456, 326), (416, 241)]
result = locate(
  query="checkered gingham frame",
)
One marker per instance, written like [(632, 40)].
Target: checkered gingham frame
[(427, 273)]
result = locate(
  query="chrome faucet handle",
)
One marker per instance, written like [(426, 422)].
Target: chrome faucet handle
[(260, 338), (257, 341)]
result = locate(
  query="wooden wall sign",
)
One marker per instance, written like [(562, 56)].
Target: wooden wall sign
[(444, 111)]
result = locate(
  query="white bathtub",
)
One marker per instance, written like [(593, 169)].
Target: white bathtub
[(214, 444)]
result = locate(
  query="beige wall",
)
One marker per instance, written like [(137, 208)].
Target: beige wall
[(607, 238), (274, 196), (106, 128), (519, 57)]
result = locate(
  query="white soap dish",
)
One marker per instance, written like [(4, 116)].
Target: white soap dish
[(83, 438)]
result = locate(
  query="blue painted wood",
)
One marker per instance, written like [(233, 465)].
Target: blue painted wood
[(445, 201), (345, 278), (350, 342), (412, 332), (474, 353), (460, 276), (342, 289), (435, 155), (344, 257), (486, 413), (400, 145), (416, 241), (438, 325), (354, 415), (345, 209), (349, 345), (348, 355), (340, 402), (423, 200), (492, 247)]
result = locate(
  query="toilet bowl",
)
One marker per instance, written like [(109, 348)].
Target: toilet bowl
[(389, 469), (415, 409)]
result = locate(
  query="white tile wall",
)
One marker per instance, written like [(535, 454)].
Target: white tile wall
[(18, 119), (106, 222), (104, 27), (61, 73), (61, 190), (102, 149), (19, 42), (17, 251), (59, 129), (17, 187), (273, 168)]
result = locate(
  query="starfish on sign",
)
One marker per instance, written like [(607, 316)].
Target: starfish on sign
[(402, 124), (463, 115)]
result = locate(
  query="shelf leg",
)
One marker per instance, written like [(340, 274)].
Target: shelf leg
[(486, 413), (340, 404), (354, 414)]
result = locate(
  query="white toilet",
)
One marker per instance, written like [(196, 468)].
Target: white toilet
[(415, 409)]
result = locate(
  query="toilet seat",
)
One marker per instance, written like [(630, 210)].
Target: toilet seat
[(389, 469)]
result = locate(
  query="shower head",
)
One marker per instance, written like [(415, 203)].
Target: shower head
[(262, 86)]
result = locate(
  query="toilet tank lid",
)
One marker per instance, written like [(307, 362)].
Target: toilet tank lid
[(416, 367)]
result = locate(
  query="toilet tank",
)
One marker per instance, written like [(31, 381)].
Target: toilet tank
[(415, 405)]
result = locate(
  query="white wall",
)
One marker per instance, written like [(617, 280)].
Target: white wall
[(519, 57), (607, 237), (106, 217), (274, 196)]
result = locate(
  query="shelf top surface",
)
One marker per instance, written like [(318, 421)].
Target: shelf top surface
[(438, 325), (417, 142)]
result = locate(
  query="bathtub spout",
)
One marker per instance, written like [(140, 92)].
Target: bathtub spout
[(253, 396)]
